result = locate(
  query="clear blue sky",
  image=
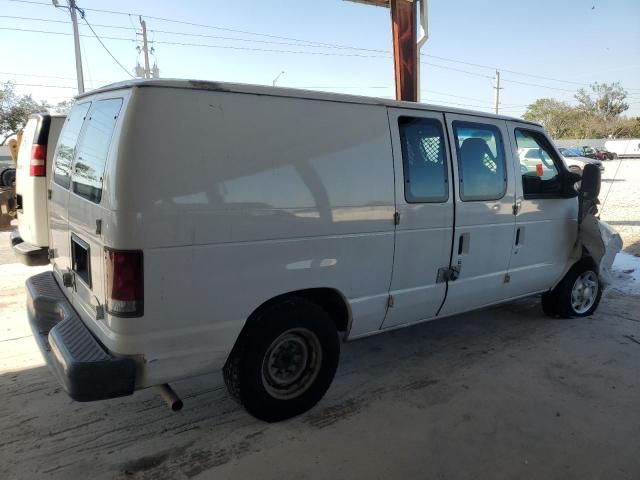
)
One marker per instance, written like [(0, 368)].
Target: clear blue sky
[(574, 40)]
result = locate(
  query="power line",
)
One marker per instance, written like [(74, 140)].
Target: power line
[(40, 85), (38, 75), (271, 50), (538, 85), (105, 47), (308, 43)]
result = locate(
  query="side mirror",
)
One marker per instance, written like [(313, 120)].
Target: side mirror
[(590, 187)]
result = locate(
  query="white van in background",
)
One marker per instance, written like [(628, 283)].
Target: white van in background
[(199, 225), (624, 148), (33, 171)]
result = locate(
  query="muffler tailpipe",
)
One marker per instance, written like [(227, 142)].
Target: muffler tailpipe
[(170, 397)]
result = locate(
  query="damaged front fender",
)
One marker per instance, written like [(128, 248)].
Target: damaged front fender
[(602, 243)]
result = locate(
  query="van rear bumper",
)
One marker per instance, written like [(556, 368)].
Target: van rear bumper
[(85, 369), (28, 254)]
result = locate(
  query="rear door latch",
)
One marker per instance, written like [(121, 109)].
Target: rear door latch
[(67, 279)]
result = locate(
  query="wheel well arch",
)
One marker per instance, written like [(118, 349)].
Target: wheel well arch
[(330, 299)]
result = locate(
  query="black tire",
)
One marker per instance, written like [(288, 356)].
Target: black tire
[(249, 371), (8, 177), (559, 302), (549, 304)]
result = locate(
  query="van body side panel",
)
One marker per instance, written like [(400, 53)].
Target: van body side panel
[(235, 199)]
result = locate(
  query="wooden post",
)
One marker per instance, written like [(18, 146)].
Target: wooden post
[(404, 29)]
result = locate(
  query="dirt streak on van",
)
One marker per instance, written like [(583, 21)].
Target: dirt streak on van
[(201, 225)]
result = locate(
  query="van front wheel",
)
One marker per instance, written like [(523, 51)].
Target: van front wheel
[(284, 360), (577, 295)]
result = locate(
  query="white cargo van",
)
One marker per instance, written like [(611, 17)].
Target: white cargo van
[(199, 225), (33, 171)]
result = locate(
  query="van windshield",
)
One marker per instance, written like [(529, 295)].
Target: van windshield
[(94, 147)]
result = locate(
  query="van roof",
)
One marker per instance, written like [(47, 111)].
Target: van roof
[(286, 92), (46, 114)]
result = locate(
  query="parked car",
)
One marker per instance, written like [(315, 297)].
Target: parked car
[(606, 154), (624, 148), (293, 220), (31, 239), (576, 162), (591, 152)]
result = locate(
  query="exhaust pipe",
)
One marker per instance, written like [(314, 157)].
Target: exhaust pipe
[(170, 397)]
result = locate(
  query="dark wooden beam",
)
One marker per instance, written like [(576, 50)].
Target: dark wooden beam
[(404, 29)]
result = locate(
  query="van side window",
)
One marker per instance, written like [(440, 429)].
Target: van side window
[(538, 161), (67, 144), (482, 168), (93, 149), (423, 160)]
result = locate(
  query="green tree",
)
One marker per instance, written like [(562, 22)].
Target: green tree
[(15, 109), (63, 107), (557, 117), (607, 100)]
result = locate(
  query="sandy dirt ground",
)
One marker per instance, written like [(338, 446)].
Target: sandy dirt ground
[(620, 197), (502, 393)]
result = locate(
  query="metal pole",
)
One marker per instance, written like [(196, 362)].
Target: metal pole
[(147, 70), (76, 41), (424, 36), (497, 87)]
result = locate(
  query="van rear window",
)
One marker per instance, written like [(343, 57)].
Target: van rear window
[(67, 144), (93, 149)]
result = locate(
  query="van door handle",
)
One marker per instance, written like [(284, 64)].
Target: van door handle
[(49, 194), (518, 236), (464, 242)]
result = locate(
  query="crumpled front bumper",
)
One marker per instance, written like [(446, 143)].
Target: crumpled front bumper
[(612, 245)]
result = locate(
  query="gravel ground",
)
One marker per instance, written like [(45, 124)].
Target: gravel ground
[(501, 393), (620, 195)]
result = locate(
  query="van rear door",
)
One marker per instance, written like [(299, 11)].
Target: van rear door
[(59, 189), (31, 182), (85, 210)]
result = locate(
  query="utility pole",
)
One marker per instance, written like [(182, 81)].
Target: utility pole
[(145, 49), (497, 89), (275, 80), (76, 41)]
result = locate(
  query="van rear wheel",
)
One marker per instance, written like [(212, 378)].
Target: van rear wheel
[(284, 360), (577, 295)]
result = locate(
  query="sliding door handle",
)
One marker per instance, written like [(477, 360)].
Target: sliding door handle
[(518, 236), (464, 242)]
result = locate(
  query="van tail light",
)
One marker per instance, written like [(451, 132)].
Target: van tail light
[(38, 165), (124, 275)]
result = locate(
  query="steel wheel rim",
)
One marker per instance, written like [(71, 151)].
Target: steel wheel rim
[(584, 292), (291, 363)]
